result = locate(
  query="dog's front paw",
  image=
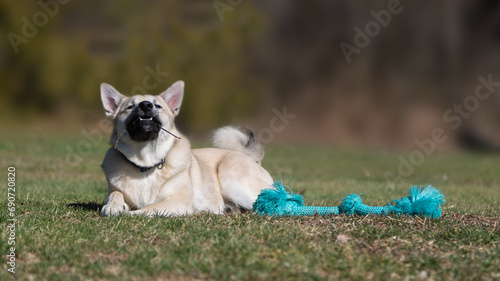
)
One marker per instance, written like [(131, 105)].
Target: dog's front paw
[(149, 214), (111, 209)]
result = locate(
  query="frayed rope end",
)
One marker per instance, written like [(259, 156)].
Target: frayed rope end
[(426, 202), (276, 201)]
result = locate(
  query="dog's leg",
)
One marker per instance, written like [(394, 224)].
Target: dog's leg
[(114, 205), (176, 205), (242, 180), (242, 193)]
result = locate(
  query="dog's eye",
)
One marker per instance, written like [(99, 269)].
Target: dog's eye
[(130, 106), (158, 106)]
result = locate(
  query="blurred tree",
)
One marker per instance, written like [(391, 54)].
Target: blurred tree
[(89, 42), (262, 54)]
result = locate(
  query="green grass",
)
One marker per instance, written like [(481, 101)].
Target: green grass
[(60, 235)]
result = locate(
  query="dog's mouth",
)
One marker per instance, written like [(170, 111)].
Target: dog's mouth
[(143, 128)]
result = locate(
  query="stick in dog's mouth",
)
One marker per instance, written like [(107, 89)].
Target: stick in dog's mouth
[(118, 139), (170, 133)]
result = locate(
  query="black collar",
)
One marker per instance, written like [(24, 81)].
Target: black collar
[(145, 169)]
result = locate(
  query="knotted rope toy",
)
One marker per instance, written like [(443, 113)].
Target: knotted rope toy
[(278, 202)]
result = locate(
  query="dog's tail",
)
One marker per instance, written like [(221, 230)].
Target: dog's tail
[(239, 139)]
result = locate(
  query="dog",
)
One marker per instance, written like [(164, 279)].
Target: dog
[(151, 169)]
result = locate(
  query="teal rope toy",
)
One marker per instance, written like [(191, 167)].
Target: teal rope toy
[(278, 202)]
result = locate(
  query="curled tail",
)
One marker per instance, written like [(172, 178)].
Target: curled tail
[(239, 139)]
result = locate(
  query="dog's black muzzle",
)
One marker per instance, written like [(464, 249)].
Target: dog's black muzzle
[(143, 123)]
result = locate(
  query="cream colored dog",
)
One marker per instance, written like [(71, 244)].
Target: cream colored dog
[(152, 170)]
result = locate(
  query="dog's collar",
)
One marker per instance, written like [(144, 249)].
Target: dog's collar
[(145, 169)]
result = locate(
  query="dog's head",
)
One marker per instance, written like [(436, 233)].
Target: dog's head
[(140, 119)]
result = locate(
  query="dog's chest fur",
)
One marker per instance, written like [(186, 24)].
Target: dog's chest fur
[(140, 189)]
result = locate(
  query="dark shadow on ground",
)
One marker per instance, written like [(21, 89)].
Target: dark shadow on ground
[(90, 206)]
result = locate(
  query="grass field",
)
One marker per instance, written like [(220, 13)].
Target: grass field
[(60, 235)]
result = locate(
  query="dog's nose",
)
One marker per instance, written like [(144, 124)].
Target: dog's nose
[(145, 106)]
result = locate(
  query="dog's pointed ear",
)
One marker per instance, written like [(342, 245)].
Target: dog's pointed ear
[(173, 96), (111, 98)]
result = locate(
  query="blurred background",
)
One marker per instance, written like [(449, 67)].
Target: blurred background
[(371, 74)]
